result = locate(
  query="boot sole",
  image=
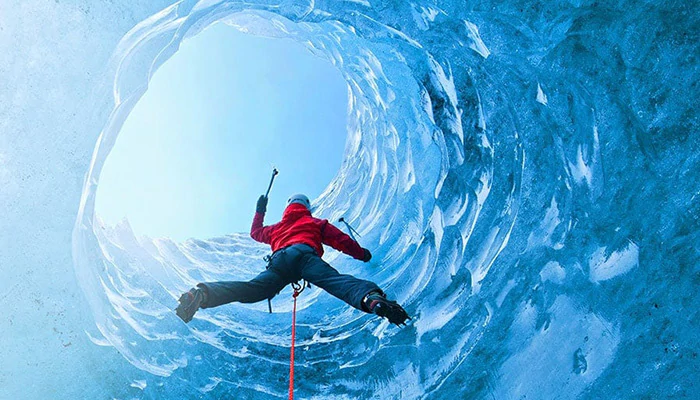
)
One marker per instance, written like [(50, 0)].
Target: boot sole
[(393, 312)]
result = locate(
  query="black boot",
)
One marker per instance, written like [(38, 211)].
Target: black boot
[(377, 303), (190, 303)]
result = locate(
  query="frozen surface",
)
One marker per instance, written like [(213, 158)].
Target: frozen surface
[(526, 174)]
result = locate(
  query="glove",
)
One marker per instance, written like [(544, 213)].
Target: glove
[(262, 205), (367, 256)]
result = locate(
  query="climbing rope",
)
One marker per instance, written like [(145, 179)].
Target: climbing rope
[(298, 288)]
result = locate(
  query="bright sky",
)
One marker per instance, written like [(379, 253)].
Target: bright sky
[(199, 147)]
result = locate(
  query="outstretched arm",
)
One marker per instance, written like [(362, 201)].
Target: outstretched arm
[(259, 232), (338, 240)]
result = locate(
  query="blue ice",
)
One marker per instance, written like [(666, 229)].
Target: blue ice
[(526, 173)]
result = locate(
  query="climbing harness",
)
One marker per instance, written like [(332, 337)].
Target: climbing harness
[(350, 229), (298, 288)]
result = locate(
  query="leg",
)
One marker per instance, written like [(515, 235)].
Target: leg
[(264, 286), (345, 287)]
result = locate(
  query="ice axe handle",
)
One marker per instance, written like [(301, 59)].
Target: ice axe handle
[(272, 179), (351, 231)]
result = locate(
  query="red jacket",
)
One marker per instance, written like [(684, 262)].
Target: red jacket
[(299, 227)]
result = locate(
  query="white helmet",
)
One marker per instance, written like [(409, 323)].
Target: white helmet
[(300, 199)]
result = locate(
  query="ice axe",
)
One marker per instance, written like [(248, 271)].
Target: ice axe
[(272, 179), (350, 229)]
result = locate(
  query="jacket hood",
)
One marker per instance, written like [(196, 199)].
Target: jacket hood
[(295, 211)]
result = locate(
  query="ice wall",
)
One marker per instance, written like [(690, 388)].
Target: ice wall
[(525, 173)]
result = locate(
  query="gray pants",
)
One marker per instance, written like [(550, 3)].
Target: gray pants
[(286, 266)]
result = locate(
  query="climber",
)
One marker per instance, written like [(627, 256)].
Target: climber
[(297, 245)]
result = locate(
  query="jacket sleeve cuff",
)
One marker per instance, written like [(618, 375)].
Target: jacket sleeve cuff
[(359, 253)]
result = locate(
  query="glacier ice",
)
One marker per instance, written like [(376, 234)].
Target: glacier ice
[(526, 174)]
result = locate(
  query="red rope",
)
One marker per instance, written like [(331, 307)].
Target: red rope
[(291, 359)]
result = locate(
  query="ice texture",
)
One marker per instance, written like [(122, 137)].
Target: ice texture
[(526, 174)]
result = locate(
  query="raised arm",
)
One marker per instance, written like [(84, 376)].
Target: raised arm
[(259, 232), (338, 240)]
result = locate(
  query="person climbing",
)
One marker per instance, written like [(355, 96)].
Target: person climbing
[(297, 245)]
